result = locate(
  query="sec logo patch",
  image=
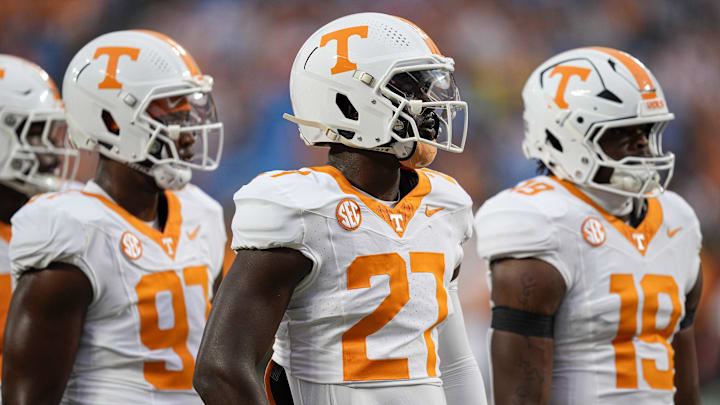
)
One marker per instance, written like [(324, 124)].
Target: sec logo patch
[(131, 246), (348, 214), (593, 231)]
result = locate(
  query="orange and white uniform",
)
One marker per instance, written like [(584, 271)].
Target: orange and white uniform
[(367, 314), (151, 289), (5, 283), (626, 286)]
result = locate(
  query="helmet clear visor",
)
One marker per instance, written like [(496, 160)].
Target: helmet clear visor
[(185, 130), (429, 108)]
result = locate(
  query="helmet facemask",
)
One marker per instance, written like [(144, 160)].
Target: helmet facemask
[(184, 134), (425, 103), (41, 157), (631, 176)]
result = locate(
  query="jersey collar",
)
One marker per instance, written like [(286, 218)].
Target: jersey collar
[(397, 217), (168, 238), (640, 236)]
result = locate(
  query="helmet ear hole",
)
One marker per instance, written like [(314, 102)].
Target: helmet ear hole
[(110, 123), (553, 141), (346, 107)]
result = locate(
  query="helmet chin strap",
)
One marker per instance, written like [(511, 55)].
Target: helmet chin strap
[(168, 176), (634, 182), (40, 183), (419, 155)]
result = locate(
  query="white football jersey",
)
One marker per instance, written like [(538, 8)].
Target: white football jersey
[(367, 313), (626, 286), (151, 289)]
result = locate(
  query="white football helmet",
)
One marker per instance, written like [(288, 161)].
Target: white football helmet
[(35, 156), (135, 96), (573, 98), (375, 81)]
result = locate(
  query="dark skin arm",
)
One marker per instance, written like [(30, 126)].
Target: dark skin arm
[(522, 365), (43, 330), (246, 313), (687, 382)]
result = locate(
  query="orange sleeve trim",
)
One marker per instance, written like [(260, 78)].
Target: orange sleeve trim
[(406, 208), (268, 392), (181, 52), (172, 224), (5, 231), (648, 227)]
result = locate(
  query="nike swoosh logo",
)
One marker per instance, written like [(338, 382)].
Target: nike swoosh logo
[(432, 212), (194, 233), (672, 232)]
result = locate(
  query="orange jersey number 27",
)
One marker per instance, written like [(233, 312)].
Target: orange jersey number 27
[(156, 338), (356, 365)]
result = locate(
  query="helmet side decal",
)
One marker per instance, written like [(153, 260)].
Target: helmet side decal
[(566, 72), (114, 53), (184, 55), (343, 63), (2, 73), (637, 69), (430, 43)]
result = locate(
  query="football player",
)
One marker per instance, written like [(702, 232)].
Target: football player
[(34, 156), (352, 266), (114, 281), (594, 265)]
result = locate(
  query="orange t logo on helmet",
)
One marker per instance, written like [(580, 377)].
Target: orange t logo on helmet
[(114, 53), (2, 73), (343, 64), (566, 72)]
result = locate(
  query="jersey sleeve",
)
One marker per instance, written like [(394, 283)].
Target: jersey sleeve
[(510, 228), (43, 235), (268, 217)]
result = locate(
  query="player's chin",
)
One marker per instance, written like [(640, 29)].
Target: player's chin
[(186, 155)]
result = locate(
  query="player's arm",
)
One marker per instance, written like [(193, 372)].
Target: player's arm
[(527, 293), (686, 369), (462, 381), (246, 313), (43, 330)]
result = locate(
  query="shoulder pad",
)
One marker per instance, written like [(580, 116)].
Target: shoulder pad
[(510, 224)]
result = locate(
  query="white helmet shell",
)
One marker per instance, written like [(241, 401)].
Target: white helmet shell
[(573, 98), (349, 64), (32, 129), (112, 82)]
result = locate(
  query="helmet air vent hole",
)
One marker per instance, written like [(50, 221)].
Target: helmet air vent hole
[(110, 123), (612, 64), (346, 107), (346, 134), (608, 95), (580, 120), (553, 141)]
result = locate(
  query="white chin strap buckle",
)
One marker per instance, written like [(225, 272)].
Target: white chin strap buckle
[(415, 106), (174, 132)]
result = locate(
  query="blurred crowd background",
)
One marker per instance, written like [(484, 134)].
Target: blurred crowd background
[(248, 47)]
